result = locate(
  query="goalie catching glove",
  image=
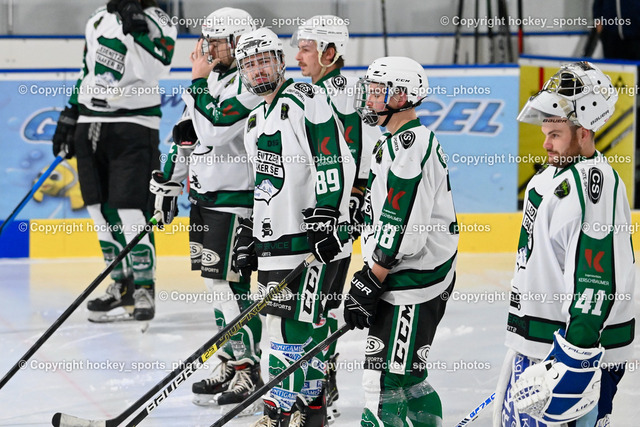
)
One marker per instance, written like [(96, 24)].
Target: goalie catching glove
[(562, 388), (322, 232), (362, 300), (63, 136), (167, 193), (244, 258)]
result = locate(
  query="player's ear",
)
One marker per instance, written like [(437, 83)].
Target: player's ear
[(328, 55), (401, 99)]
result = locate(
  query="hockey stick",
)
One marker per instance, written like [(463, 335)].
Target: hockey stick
[(456, 43), (476, 34), (520, 30), (59, 158), (186, 368), (384, 27), (474, 414), (45, 336), (492, 42), (281, 376)]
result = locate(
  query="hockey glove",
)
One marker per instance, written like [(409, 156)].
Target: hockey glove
[(562, 388), (362, 300), (244, 258), (184, 134), (167, 193), (63, 136), (322, 232), (131, 14), (356, 202)]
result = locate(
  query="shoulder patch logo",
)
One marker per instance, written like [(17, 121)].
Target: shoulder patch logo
[(594, 184), (284, 112), (251, 122), (407, 138), (563, 189), (339, 82), (304, 88)]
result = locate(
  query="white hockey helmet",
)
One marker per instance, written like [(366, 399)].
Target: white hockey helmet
[(579, 92), (227, 23), (393, 74), (324, 30), (256, 51)]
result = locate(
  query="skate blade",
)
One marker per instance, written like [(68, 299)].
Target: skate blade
[(118, 314)]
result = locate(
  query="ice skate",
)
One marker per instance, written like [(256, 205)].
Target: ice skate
[(144, 306)]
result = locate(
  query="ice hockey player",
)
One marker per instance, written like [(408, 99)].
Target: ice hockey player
[(322, 44), (111, 125), (304, 172), (571, 316), (208, 147), (409, 249)]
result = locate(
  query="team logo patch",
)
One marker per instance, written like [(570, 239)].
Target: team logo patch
[(266, 227), (304, 88), (251, 122), (209, 257), (339, 82), (423, 353), (563, 189), (374, 345), (407, 139), (195, 249), (284, 112), (594, 184)]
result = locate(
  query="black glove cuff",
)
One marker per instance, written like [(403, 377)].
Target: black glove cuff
[(384, 260)]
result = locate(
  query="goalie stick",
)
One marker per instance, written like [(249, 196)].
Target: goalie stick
[(179, 375), (45, 336), (281, 376), (474, 414), (59, 158)]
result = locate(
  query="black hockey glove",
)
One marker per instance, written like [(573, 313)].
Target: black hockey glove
[(184, 134), (355, 214), (322, 232), (244, 258), (131, 14), (63, 136), (167, 193), (362, 300)]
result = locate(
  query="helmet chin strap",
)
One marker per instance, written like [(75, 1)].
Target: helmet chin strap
[(324, 67)]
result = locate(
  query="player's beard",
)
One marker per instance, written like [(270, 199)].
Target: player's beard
[(568, 156)]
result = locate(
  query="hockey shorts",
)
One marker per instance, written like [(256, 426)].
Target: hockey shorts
[(305, 297), (115, 161)]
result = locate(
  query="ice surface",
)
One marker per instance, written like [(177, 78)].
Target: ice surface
[(101, 369)]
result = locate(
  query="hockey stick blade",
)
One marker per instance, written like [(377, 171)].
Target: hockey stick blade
[(281, 376), (71, 421), (76, 303), (35, 187), (474, 414), (180, 375)]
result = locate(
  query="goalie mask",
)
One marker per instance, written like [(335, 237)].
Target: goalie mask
[(260, 59), (219, 33), (578, 91), (385, 78), (324, 30)]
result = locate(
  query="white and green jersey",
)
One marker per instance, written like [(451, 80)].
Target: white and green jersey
[(360, 138), (220, 175), (120, 73), (300, 161), (410, 216), (575, 263)]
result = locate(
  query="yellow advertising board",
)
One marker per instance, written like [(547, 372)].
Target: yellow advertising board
[(616, 138)]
